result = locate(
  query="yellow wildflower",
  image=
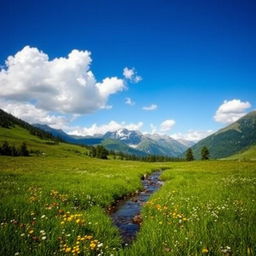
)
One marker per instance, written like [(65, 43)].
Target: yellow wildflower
[(68, 249), (205, 250)]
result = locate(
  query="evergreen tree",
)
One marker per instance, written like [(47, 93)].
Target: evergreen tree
[(189, 155), (24, 150), (93, 152), (205, 154), (14, 151), (101, 152), (5, 149)]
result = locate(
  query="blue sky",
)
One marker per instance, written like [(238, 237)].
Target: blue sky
[(191, 55)]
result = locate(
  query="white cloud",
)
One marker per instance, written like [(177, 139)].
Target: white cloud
[(153, 128), (230, 111), (131, 75), (192, 135), (64, 84), (167, 125), (129, 101), (150, 107), (102, 129), (161, 129), (31, 114)]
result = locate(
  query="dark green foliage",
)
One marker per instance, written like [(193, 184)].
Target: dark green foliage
[(189, 155), (99, 152), (24, 150), (93, 152), (148, 158), (7, 150), (205, 154), (14, 151), (8, 121)]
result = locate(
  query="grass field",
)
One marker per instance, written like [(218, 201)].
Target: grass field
[(55, 204)]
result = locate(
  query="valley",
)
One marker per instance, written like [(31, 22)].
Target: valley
[(56, 201)]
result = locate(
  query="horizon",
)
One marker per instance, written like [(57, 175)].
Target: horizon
[(180, 69)]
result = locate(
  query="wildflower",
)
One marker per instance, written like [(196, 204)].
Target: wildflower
[(43, 237), (68, 249), (226, 250), (43, 216), (16, 253), (205, 250), (31, 231), (93, 245)]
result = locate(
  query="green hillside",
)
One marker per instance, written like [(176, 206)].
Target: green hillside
[(41, 143), (248, 154), (161, 147), (118, 146), (231, 139)]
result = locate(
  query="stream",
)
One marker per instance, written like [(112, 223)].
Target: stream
[(126, 214)]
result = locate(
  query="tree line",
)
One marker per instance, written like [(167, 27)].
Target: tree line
[(205, 154), (146, 158), (7, 150), (100, 152)]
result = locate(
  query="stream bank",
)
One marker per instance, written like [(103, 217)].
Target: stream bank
[(126, 214)]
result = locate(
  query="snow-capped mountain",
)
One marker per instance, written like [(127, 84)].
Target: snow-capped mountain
[(127, 141), (150, 144), (129, 137)]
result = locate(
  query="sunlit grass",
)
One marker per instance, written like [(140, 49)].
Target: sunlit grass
[(55, 204)]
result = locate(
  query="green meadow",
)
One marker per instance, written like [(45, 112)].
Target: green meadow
[(55, 203)]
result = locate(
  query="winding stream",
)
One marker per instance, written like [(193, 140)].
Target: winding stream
[(126, 215)]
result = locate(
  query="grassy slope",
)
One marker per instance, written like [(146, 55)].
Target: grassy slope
[(249, 154), (17, 135), (202, 205), (231, 139)]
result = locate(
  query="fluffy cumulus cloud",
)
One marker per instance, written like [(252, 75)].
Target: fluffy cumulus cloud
[(162, 128), (129, 101), (31, 114), (131, 75), (192, 135), (65, 84), (150, 107), (230, 111), (102, 129), (167, 125)]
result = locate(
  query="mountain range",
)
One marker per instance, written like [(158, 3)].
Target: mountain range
[(127, 141), (237, 139), (230, 140)]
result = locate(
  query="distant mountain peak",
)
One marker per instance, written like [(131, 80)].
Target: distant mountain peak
[(127, 136)]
